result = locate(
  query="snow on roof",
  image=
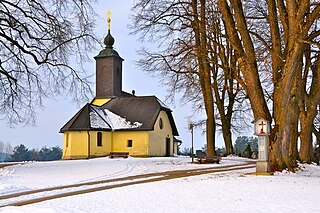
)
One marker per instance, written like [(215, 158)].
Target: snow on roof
[(105, 119), (118, 122), (98, 119), (162, 104)]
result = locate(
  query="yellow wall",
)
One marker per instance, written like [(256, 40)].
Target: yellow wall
[(139, 142), (175, 148), (100, 101), (157, 138), (144, 143), (104, 150), (75, 144)]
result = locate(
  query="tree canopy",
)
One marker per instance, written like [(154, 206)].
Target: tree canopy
[(22, 153), (38, 41)]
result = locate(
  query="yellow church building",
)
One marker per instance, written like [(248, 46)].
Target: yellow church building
[(116, 121)]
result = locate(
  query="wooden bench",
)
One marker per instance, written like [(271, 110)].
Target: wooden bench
[(209, 159), (119, 155)]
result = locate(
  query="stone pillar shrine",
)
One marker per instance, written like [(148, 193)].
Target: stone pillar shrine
[(262, 130)]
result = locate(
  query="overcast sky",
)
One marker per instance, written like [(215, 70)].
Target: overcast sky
[(58, 112)]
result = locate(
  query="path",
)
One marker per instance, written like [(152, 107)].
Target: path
[(2, 165), (115, 183)]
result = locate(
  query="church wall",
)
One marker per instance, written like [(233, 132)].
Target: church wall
[(120, 142), (104, 149), (157, 138), (175, 148), (66, 149), (75, 145)]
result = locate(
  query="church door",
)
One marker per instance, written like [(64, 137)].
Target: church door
[(167, 147)]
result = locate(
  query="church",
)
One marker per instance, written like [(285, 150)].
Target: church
[(117, 121)]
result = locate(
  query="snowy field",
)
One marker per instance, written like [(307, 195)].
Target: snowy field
[(232, 191)]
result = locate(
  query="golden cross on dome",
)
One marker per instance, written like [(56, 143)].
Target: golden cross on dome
[(109, 19)]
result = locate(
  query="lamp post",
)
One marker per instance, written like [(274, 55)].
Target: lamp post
[(191, 129)]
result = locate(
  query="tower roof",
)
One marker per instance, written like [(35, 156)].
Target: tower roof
[(108, 41)]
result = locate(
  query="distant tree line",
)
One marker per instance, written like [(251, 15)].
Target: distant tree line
[(245, 144), (187, 151), (244, 147), (22, 153)]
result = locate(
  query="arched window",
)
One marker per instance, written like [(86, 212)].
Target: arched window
[(99, 139), (160, 123)]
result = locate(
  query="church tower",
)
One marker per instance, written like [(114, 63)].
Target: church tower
[(108, 69)]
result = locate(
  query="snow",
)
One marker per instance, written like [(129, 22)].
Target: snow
[(162, 104), (118, 122), (97, 119), (231, 191), (100, 118)]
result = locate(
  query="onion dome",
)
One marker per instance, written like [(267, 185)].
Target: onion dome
[(109, 40)]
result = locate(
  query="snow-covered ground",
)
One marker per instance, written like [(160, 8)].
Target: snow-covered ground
[(235, 191)]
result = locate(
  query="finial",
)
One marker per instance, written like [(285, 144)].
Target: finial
[(109, 19), (109, 40)]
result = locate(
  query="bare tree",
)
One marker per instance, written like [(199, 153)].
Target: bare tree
[(310, 92), (195, 57), (5, 151), (1, 147), (38, 38), (179, 27), (289, 27)]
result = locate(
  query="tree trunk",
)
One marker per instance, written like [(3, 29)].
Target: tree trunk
[(309, 111), (225, 117), (227, 136), (293, 149), (296, 101), (199, 27), (306, 151), (279, 157), (210, 133), (283, 146)]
